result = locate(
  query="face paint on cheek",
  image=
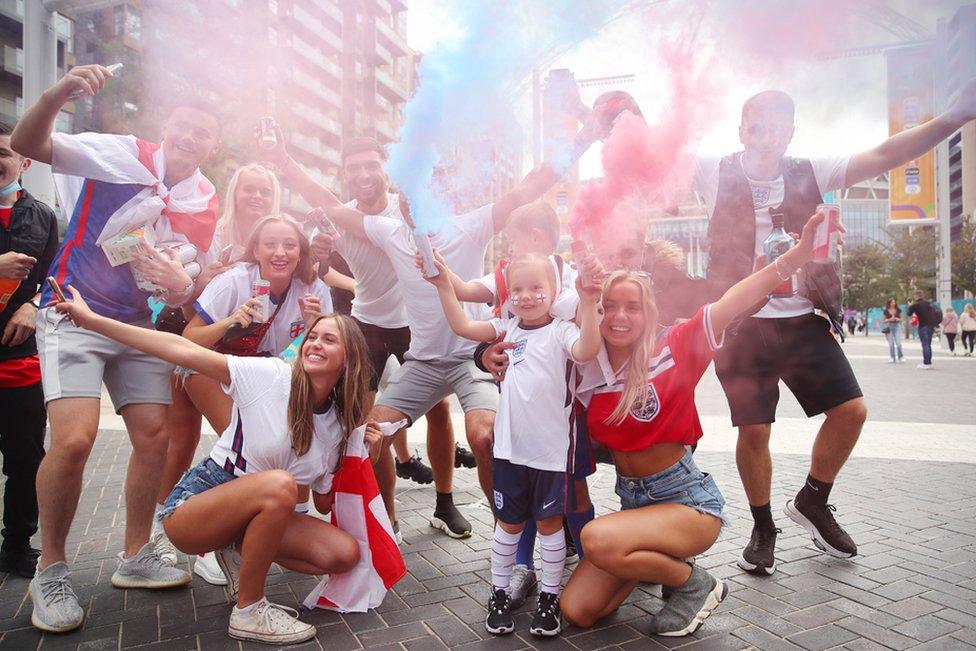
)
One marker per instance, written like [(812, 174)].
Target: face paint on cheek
[(540, 298)]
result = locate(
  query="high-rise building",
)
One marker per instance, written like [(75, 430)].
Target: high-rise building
[(864, 211), (12, 61), (961, 62)]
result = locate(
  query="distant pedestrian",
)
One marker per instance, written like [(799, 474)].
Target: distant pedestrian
[(851, 324), (892, 330), (950, 326), (928, 320), (862, 325), (967, 324)]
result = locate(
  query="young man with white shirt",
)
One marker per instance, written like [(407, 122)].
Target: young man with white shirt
[(123, 182), (785, 340)]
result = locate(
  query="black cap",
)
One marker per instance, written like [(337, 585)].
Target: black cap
[(778, 216)]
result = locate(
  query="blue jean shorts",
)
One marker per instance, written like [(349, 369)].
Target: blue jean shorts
[(682, 483), (196, 480)]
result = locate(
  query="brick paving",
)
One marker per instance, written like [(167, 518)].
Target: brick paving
[(912, 586)]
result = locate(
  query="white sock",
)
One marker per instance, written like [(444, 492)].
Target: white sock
[(246, 610), (302, 508), (552, 548), (503, 546), (157, 523)]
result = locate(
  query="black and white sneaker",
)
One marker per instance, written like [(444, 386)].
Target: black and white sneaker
[(758, 556), (547, 620), (499, 620), (450, 521), (415, 470), (572, 554), (827, 535), (463, 457)]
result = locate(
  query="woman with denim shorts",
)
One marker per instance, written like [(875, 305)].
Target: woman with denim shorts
[(289, 428), (640, 398)]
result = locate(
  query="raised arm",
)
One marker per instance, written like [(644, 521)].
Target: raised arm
[(752, 289), (169, 347), (458, 320), (909, 145), (348, 219), (467, 291), (32, 135), (588, 345)]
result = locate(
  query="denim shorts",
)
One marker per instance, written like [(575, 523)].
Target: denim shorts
[(196, 480), (682, 483)]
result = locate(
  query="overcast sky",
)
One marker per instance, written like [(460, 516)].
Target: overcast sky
[(841, 105)]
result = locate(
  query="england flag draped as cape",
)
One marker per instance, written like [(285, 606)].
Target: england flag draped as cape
[(358, 510)]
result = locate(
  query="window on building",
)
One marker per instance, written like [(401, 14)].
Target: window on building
[(273, 6), (127, 22)]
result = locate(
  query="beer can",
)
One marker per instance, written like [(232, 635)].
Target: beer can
[(185, 252), (261, 290), (427, 253), (827, 235), (267, 139)]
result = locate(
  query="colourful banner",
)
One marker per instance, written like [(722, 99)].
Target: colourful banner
[(910, 103)]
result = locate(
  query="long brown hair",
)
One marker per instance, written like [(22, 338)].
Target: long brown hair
[(350, 393), (635, 377), (305, 271)]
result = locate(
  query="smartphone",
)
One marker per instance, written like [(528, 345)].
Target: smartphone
[(56, 288), (225, 252)]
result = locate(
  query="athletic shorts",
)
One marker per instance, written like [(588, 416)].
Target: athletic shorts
[(522, 493), (381, 343), (417, 386), (75, 362), (798, 350)]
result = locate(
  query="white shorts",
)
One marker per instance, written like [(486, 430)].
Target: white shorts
[(75, 362)]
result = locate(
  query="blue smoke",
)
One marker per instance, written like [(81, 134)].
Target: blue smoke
[(464, 84)]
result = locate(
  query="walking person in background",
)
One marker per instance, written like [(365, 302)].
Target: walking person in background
[(967, 325), (927, 321), (950, 326), (892, 330)]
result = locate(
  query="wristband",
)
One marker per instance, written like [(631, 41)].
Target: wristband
[(34, 303)]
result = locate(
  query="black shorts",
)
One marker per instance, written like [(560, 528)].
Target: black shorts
[(798, 350), (522, 493), (381, 343)]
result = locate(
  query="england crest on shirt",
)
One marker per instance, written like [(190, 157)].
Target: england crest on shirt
[(518, 353), (649, 408), (296, 328)]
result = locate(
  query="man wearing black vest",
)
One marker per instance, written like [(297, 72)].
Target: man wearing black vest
[(785, 340)]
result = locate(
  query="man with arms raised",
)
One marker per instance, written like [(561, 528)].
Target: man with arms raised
[(122, 183)]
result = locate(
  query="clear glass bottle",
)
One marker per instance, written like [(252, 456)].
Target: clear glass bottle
[(776, 244)]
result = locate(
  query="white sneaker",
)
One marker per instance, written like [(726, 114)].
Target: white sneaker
[(163, 547), (270, 623), (924, 367), (230, 565), (147, 570), (207, 568), (891, 361), (56, 607)]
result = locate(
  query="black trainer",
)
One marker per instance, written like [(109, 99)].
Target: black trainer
[(499, 620), (546, 620), (758, 557), (463, 457), (827, 535), (572, 554), (415, 470), (21, 561), (449, 520)]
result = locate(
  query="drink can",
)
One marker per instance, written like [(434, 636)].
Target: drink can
[(267, 139), (261, 290), (578, 247), (427, 253), (185, 252), (827, 235)]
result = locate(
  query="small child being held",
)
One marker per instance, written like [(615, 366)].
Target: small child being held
[(533, 427)]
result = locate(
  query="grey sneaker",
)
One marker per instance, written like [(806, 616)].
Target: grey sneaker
[(164, 548), (56, 607), (230, 563), (689, 604), (522, 585), (147, 570), (269, 623)]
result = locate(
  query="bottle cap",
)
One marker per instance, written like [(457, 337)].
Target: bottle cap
[(778, 216)]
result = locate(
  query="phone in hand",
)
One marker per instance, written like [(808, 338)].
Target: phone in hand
[(56, 288)]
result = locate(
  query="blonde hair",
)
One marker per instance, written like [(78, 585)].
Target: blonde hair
[(949, 310), (305, 271), (537, 214), (350, 393), (970, 310), (635, 378), (227, 224)]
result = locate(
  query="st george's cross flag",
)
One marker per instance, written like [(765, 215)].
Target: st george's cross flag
[(358, 510)]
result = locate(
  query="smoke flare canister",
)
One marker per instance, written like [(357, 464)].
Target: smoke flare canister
[(268, 138), (115, 67), (825, 239), (261, 290), (427, 253), (578, 247)]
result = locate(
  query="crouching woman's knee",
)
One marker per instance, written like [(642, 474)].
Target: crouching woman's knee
[(279, 490), (575, 610), (346, 554)]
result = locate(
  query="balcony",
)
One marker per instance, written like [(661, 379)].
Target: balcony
[(388, 87), (316, 57), (334, 12), (317, 27), (13, 9), (12, 60), (391, 39), (316, 87), (385, 130)]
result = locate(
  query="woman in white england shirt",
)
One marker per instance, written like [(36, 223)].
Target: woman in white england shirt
[(289, 427)]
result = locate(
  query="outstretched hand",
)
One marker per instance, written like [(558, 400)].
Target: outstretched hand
[(76, 309), (442, 278)]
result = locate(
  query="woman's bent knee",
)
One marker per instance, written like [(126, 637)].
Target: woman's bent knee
[(280, 487), (575, 613)]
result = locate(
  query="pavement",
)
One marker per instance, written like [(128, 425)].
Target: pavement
[(907, 496)]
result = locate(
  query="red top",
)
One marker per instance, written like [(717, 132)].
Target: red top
[(6, 214), (21, 372), (669, 414)]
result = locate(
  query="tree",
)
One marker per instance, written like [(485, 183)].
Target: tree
[(964, 256), (867, 277), (913, 253)]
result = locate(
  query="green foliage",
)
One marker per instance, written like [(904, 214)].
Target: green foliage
[(867, 278), (964, 256)]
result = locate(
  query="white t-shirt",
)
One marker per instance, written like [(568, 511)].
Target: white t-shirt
[(258, 437), (567, 299), (463, 244), (533, 424), (229, 290), (829, 172), (378, 300)]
